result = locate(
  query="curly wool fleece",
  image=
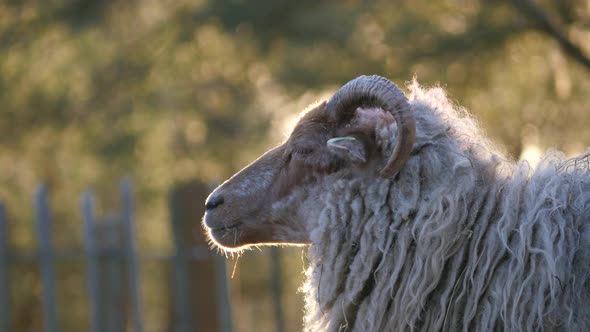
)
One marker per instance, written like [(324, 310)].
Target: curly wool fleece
[(461, 240)]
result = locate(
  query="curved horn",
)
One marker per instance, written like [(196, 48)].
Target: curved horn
[(381, 92)]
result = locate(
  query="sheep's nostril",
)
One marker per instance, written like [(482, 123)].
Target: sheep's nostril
[(213, 202)]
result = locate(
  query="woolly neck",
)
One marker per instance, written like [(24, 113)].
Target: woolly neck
[(460, 240)]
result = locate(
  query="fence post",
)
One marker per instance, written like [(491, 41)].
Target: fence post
[(276, 285), (4, 273), (223, 305), (131, 253), (207, 282), (224, 314), (180, 286), (114, 275), (46, 259), (92, 263)]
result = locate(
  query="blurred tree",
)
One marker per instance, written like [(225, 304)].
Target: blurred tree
[(567, 17)]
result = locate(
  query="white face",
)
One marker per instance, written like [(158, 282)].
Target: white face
[(253, 209)]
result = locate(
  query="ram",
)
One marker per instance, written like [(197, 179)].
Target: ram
[(414, 220)]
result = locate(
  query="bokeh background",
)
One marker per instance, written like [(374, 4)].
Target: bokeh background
[(172, 91)]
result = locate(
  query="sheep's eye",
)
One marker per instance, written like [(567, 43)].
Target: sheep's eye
[(300, 152)]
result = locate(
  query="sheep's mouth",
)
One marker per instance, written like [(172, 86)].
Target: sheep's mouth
[(225, 228), (226, 236)]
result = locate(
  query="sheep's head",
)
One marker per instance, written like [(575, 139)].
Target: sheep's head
[(270, 200)]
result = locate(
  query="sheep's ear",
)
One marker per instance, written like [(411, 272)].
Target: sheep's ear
[(349, 148)]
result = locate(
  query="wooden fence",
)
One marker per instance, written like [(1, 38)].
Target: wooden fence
[(110, 247)]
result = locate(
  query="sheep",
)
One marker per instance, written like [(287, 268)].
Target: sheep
[(414, 219)]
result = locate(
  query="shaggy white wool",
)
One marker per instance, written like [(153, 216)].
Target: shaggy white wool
[(462, 239)]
